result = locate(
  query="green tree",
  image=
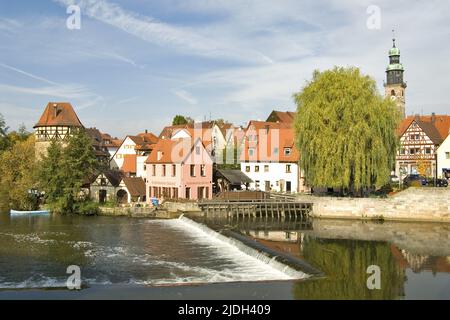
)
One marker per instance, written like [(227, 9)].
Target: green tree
[(178, 120), (345, 131), (21, 134), (18, 176), (64, 171), (4, 142)]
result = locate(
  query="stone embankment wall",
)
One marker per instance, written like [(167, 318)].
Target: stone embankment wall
[(413, 204), (416, 237)]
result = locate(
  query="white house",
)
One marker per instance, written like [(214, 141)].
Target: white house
[(131, 155), (270, 158), (443, 159)]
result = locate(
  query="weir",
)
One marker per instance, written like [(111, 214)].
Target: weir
[(293, 267)]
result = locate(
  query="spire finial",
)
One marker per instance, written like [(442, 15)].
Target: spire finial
[(393, 37)]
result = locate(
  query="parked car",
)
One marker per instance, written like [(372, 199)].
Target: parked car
[(438, 182), (414, 179)]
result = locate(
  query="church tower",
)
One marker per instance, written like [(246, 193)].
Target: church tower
[(395, 86)]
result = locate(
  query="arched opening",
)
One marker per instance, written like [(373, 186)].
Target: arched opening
[(122, 196), (393, 93)]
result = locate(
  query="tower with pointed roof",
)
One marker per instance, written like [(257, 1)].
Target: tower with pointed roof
[(57, 123), (394, 86)]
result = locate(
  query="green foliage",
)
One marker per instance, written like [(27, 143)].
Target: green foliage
[(179, 119), (4, 142), (87, 208), (20, 135), (64, 171), (345, 131), (229, 164), (345, 263), (18, 176)]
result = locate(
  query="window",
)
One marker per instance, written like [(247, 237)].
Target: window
[(192, 170), (275, 151), (247, 168), (427, 150), (256, 168), (287, 151), (447, 155), (163, 170), (145, 167), (174, 170), (197, 150), (266, 168), (288, 168), (154, 170), (257, 184), (103, 182), (402, 151), (202, 170), (251, 152)]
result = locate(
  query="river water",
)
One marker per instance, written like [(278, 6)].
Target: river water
[(170, 259)]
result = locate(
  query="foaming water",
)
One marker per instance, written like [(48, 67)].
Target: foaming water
[(36, 253), (236, 250)]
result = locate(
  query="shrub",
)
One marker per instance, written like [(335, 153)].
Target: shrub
[(87, 208)]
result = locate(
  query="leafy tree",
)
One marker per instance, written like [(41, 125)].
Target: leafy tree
[(21, 134), (4, 142), (18, 176), (64, 171), (179, 119), (345, 131)]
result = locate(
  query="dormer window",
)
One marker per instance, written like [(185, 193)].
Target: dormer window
[(287, 151)]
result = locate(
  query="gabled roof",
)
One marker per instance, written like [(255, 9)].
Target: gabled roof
[(234, 176), (135, 186), (271, 140), (59, 114), (173, 151), (435, 126), (129, 163), (281, 116)]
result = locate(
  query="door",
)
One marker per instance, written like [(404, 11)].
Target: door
[(288, 186), (102, 196), (200, 193)]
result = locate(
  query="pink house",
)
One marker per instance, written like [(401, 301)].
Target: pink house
[(179, 169)]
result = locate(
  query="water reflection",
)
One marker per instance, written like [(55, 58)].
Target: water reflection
[(407, 254)]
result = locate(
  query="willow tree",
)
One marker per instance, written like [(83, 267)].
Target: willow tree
[(345, 131)]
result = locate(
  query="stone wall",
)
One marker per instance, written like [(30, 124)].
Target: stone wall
[(416, 204)]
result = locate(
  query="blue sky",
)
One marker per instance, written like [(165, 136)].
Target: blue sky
[(134, 64)]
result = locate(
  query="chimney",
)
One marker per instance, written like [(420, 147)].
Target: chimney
[(55, 110), (433, 117), (146, 131)]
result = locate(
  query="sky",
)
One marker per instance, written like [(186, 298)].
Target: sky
[(134, 64)]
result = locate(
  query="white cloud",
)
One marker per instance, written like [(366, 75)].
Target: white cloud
[(186, 96), (184, 39)]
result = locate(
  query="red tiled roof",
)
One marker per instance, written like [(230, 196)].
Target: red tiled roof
[(129, 163), (171, 151), (281, 116), (282, 135), (435, 126), (59, 114), (135, 186)]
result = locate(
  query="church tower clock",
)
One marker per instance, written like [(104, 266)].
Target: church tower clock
[(395, 86)]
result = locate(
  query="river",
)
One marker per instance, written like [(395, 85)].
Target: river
[(122, 258)]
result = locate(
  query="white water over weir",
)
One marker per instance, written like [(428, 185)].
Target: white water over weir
[(286, 271)]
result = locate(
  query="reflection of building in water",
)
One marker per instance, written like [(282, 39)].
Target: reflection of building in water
[(418, 263)]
